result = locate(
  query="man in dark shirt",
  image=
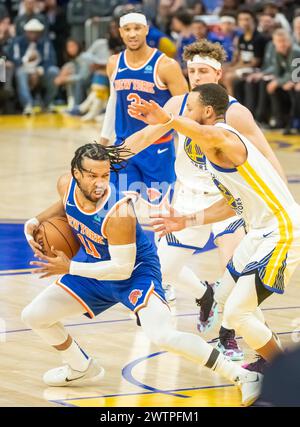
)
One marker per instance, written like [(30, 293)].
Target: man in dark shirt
[(248, 56)]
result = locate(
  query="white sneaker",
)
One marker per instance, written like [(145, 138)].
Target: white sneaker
[(250, 386), (170, 293), (65, 376), (28, 110)]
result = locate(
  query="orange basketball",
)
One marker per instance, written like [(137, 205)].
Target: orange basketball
[(57, 232)]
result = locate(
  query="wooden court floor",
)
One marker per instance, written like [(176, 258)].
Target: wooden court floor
[(34, 152)]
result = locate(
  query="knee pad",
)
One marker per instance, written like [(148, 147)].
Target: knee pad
[(33, 318)]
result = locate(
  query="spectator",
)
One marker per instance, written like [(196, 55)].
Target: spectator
[(248, 56), (200, 29), (296, 30), (6, 88), (167, 8), (182, 25), (272, 8), (227, 35), (115, 42), (30, 7), (196, 7), (74, 75), (58, 27), (267, 25), (156, 38), (227, 7), (35, 62), (281, 88)]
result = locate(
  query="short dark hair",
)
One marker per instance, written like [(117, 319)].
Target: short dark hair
[(116, 155), (183, 16), (247, 11), (214, 95)]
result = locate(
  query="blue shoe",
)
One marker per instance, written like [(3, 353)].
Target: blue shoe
[(74, 111), (208, 315)]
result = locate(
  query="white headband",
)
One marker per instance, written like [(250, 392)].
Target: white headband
[(197, 59), (225, 19), (133, 18)]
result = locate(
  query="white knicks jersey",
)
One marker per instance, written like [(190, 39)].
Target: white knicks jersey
[(190, 165), (256, 191)]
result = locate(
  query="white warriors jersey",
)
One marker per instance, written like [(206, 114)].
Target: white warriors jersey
[(190, 165), (256, 191)]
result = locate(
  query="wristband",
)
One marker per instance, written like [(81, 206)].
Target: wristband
[(31, 221)]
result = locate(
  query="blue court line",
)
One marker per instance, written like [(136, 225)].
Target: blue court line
[(152, 389), (128, 320)]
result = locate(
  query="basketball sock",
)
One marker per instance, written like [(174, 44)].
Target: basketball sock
[(193, 286), (222, 366), (76, 357)]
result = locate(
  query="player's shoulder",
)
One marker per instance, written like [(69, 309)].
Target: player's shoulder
[(166, 62), (63, 183)]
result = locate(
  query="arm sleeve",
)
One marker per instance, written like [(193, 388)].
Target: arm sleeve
[(119, 267), (108, 127)]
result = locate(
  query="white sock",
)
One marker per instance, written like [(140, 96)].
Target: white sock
[(75, 357), (228, 369), (192, 283)]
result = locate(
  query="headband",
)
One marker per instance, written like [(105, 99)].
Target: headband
[(197, 59), (133, 18)]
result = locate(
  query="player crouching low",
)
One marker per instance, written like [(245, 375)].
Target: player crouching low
[(120, 265)]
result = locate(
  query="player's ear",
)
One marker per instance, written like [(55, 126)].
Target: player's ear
[(219, 75), (76, 173), (147, 31)]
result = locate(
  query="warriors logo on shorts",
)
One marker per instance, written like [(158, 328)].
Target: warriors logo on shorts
[(194, 153), (134, 296)]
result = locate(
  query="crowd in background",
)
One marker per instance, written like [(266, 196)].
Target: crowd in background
[(56, 51)]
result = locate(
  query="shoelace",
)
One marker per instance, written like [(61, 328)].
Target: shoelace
[(231, 344)]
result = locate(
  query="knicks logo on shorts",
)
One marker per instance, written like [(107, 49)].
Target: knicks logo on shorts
[(194, 153), (134, 296), (236, 204)]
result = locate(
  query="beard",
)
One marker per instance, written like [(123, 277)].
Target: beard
[(89, 195)]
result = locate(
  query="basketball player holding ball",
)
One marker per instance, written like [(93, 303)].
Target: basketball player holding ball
[(120, 265)]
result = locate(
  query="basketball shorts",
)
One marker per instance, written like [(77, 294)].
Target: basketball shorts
[(97, 296), (188, 201), (265, 253), (150, 173)]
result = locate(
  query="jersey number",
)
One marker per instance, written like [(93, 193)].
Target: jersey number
[(89, 247), (134, 98)]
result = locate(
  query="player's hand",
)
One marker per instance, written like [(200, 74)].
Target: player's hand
[(60, 264), (148, 112), (30, 227), (166, 223)]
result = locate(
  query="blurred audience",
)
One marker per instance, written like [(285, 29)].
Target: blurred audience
[(272, 8), (29, 10), (34, 58), (182, 26)]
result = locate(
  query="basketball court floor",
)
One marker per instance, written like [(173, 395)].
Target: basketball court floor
[(34, 152)]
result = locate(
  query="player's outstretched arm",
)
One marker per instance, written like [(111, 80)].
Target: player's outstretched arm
[(57, 209), (148, 135), (175, 221), (120, 231), (240, 118)]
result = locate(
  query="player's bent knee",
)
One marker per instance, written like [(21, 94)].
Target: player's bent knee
[(33, 318)]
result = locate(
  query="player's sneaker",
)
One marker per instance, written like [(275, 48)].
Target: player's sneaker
[(228, 345), (170, 294), (208, 315), (259, 365), (250, 386), (65, 376)]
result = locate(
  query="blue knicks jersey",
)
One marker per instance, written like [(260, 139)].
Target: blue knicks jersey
[(88, 228), (131, 84)]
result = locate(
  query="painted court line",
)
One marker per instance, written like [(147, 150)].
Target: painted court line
[(130, 320)]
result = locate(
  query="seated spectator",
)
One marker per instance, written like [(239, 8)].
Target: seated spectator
[(227, 6), (97, 56), (167, 8), (196, 7), (267, 25), (74, 75), (115, 42), (248, 55), (283, 92), (296, 30), (34, 58), (273, 9), (200, 29), (227, 35), (58, 27), (182, 25), (30, 12), (6, 88)]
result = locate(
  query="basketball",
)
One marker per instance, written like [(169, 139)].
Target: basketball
[(57, 232)]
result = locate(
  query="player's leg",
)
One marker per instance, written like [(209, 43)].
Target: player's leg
[(156, 322), (239, 314)]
